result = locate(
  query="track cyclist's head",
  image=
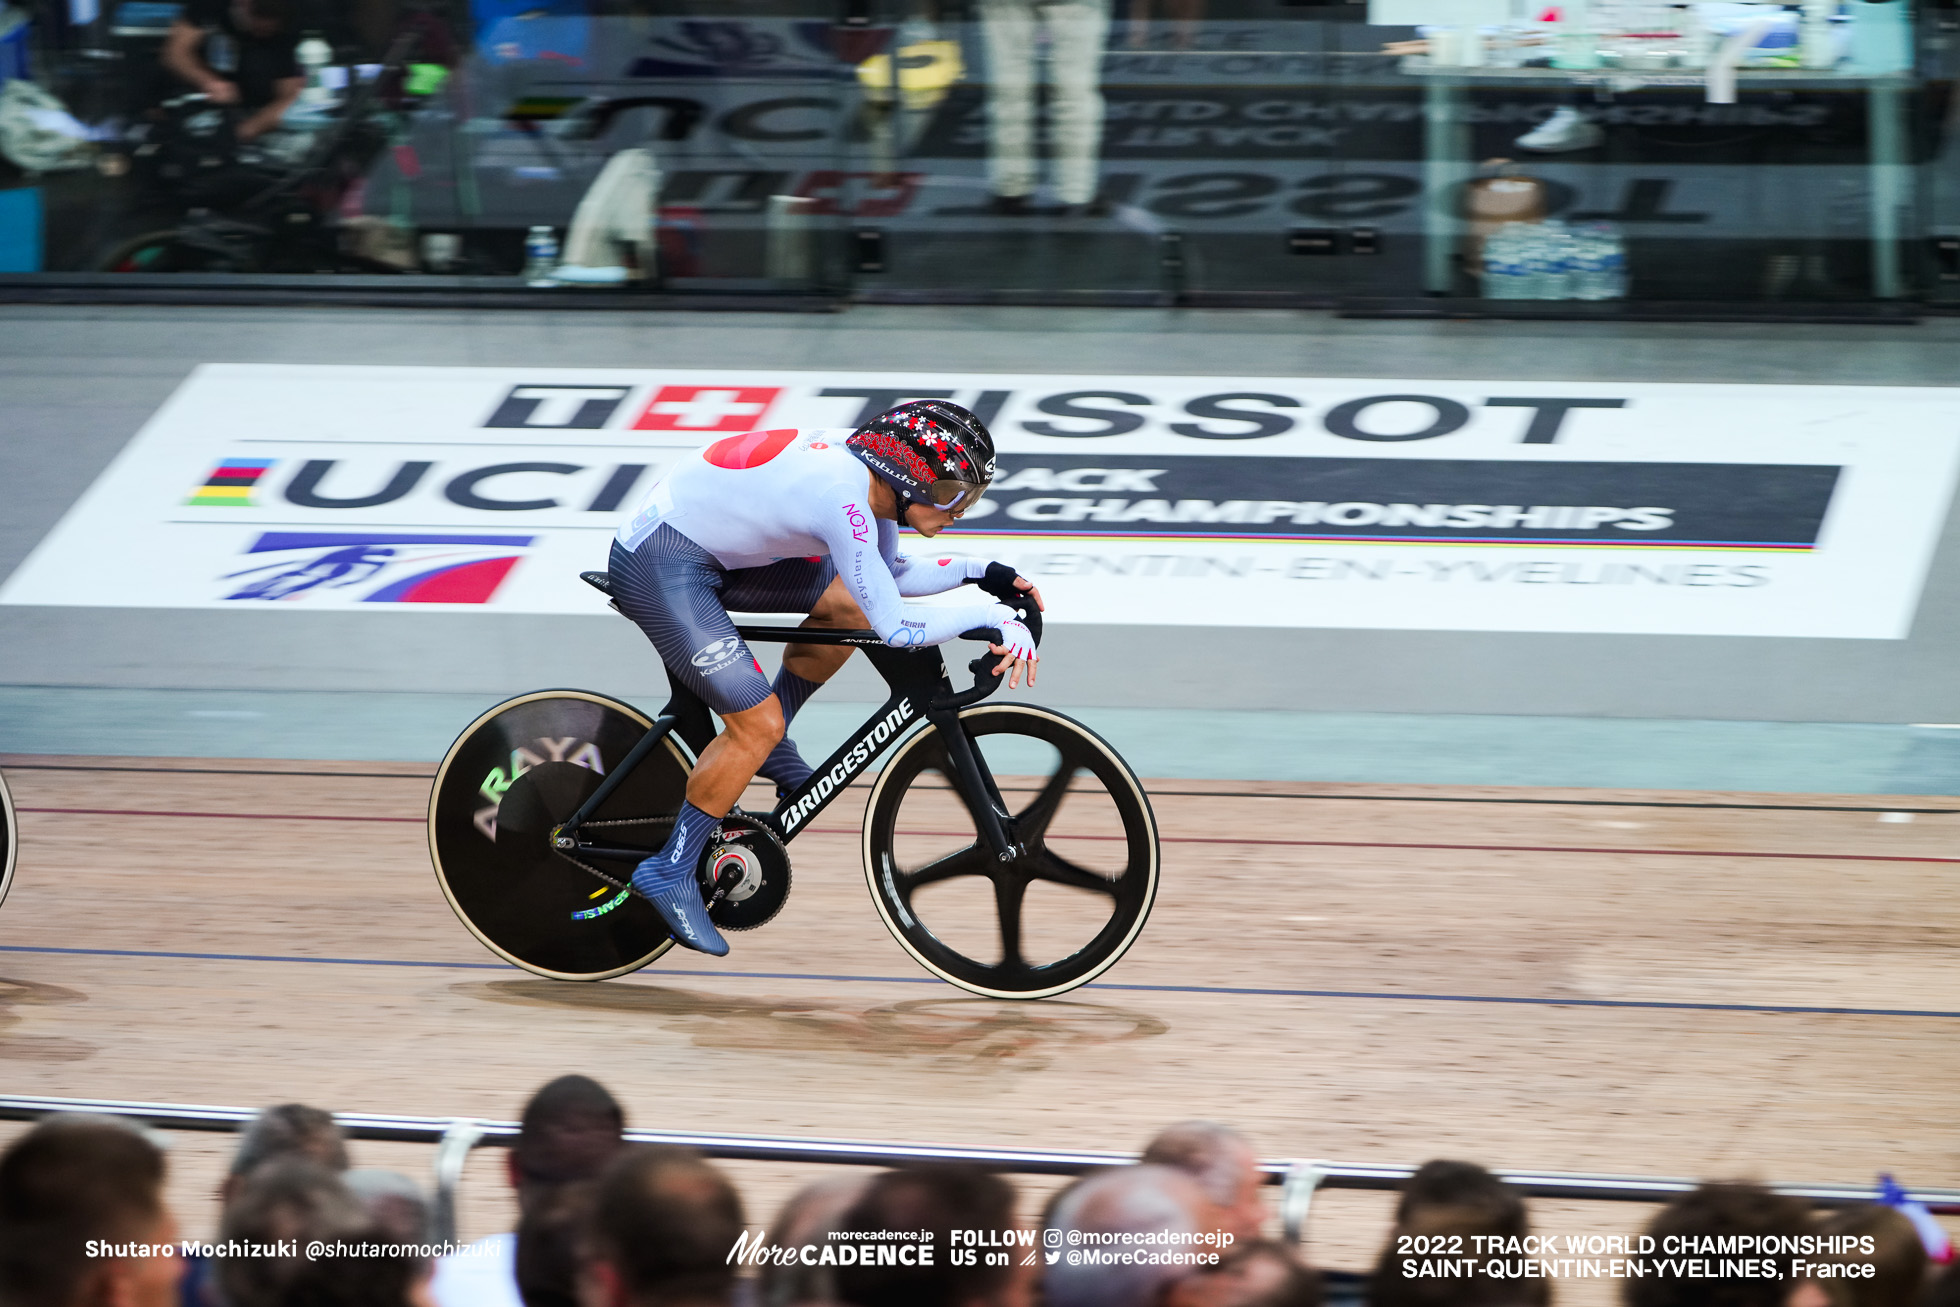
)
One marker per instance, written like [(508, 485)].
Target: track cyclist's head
[(936, 456)]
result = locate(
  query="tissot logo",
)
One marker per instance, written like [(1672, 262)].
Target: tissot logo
[(573, 408)]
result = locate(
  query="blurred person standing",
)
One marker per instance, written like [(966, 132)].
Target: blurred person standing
[(1718, 1211), (292, 1200), (663, 1227), (1222, 1161), (809, 1217), (239, 52), (1154, 1201), (569, 1131), (73, 1181), (1455, 1202), (282, 1131), (935, 1200), (1898, 1259), (1075, 32)]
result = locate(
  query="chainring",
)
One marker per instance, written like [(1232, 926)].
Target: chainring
[(754, 868)]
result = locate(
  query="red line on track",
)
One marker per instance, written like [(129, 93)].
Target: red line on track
[(221, 816), (1168, 839)]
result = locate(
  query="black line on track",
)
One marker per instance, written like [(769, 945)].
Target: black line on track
[(1186, 794)]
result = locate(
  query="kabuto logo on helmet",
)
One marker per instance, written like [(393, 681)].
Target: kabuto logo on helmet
[(931, 452)]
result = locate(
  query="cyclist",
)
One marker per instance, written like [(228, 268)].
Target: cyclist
[(795, 521)]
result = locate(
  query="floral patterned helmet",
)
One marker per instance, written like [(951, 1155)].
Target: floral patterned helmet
[(930, 451)]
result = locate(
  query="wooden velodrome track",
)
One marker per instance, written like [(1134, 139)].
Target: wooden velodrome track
[(1691, 984)]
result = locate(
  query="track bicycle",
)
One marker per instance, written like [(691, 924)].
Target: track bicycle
[(545, 804)]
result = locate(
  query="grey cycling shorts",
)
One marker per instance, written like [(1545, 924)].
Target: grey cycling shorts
[(680, 596)]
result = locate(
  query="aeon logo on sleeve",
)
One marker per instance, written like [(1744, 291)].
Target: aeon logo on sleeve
[(858, 525), (711, 658)]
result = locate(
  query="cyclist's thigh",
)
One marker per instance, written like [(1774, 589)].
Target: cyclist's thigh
[(792, 585), (671, 588)]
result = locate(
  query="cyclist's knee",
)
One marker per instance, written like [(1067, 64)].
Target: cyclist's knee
[(758, 728)]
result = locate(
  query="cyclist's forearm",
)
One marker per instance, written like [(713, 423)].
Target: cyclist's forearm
[(931, 576), (180, 56)]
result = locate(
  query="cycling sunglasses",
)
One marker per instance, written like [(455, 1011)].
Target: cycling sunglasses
[(955, 496)]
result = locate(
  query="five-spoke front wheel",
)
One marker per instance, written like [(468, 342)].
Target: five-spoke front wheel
[(1055, 916)]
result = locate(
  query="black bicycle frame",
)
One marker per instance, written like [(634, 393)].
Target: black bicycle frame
[(920, 689)]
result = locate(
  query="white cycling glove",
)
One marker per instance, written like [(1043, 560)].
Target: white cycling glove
[(1014, 637)]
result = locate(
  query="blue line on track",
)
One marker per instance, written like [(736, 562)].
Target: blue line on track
[(1389, 995)]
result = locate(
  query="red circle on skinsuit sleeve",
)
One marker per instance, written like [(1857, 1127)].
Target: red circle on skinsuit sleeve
[(751, 450)]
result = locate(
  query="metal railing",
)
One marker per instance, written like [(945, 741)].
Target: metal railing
[(1299, 1181)]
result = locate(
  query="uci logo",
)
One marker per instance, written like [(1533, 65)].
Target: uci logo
[(719, 652)]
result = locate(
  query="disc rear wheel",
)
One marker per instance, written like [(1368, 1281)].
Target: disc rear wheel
[(1053, 918), (511, 778), (9, 839)]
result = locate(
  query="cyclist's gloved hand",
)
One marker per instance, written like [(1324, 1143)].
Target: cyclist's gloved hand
[(1016, 644), (1006, 584)]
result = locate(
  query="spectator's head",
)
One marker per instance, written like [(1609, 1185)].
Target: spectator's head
[(288, 1198), (570, 1130), (1466, 1189), (288, 1130), (1258, 1274), (1223, 1163), (73, 1180), (1452, 1226), (1898, 1259), (393, 1202), (807, 1218), (1717, 1209), (1123, 1200), (665, 1224), (548, 1242), (936, 1199)]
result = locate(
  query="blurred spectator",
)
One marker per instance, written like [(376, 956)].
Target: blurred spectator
[(569, 1130), (807, 1218), (1465, 1186), (1221, 1160), (1898, 1258), (938, 1199), (665, 1225), (73, 1179), (238, 52), (548, 1240), (289, 1198), (398, 1211), (1074, 32), (288, 1130), (1945, 1291), (352, 1276), (1258, 1274), (1717, 1209), (1454, 1203), (395, 1203), (1124, 1200)]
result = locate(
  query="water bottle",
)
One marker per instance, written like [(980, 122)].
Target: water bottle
[(1503, 271), (541, 257), (314, 54)]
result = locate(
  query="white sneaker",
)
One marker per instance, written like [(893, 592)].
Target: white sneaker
[(1565, 130)]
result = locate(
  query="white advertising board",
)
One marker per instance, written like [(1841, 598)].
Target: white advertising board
[(1808, 511)]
